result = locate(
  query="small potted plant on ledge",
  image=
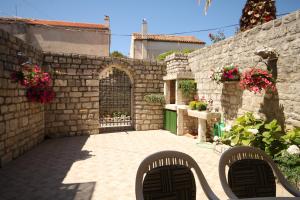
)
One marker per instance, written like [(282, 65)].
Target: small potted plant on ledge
[(226, 73), (198, 105)]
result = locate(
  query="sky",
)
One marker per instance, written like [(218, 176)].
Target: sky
[(163, 16)]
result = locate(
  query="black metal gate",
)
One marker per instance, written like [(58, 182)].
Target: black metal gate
[(115, 101)]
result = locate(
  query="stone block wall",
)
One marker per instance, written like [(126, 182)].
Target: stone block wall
[(75, 110), (21, 122), (283, 35)]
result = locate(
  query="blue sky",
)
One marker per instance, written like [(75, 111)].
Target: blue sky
[(163, 16)]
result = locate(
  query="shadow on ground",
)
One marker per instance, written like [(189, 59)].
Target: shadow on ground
[(39, 173)]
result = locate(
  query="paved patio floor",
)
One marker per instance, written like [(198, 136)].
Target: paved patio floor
[(99, 167)]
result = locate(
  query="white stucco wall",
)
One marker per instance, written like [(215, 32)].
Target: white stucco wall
[(60, 40), (154, 48)]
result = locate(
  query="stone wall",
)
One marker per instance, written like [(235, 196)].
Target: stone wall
[(21, 122), (283, 35), (76, 111)]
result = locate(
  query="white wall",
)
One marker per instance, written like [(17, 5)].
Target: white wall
[(60, 40), (154, 48)]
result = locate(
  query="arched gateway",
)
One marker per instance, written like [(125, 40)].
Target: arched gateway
[(115, 100)]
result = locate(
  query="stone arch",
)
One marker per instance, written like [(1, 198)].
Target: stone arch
[(116, 106)]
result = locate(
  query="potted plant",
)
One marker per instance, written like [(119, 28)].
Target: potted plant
[(255, 80), (198, 105)]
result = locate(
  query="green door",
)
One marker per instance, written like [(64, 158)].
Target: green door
[(170, 121)]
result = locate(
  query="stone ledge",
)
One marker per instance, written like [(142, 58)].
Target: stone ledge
[(203, 114), (176, 56)]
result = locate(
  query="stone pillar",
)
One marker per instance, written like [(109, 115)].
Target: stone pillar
[(167, 91), (202, 130)]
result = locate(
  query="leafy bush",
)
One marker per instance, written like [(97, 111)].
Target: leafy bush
[(162, 57), (271, 138), (117, 54), (250, 131), (243, 131), (289, 164), (292, 137), (154, 98), (188, 87)]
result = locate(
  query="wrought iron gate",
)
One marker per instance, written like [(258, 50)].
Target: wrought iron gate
[(115, 100)]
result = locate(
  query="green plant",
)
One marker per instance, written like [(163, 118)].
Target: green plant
[(289, 164), (244, 131), (200, 105), (250, 131), (188, 87), (192, 105), (271, 138), (154, 98), (162, 57), (117, 54), (292, 137)]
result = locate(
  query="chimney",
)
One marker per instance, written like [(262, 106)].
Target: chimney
[(106, 20), (144, 27)]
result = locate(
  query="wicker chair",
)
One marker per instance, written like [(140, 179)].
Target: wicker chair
[(250, 174), (167, 175)]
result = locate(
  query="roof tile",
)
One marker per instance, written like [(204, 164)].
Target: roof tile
[(57, 23), (167, 38)]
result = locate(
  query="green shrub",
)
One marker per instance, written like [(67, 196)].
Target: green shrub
[(187, 87), (154, 98), (162, 57), (243, 131), (250, 131), (289, 164), (117, 54), (292, 137), (271, 138)]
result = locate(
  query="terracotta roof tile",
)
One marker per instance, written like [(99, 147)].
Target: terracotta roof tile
[(57, 23), (167, 38)]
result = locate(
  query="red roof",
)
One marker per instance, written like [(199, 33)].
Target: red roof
[(57, 23), (167, 38)]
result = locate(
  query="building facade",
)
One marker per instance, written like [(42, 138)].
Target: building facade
[(60, 36), (149, 46)]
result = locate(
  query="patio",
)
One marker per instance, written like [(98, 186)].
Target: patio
[(98, 167)]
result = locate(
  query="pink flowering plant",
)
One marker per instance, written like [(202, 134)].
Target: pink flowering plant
[(256, 80), (36, 82), (226, 73)]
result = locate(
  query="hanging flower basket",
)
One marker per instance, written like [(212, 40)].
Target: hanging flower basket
[(37, 83), (255, 80), (40, 94), (226, 73)]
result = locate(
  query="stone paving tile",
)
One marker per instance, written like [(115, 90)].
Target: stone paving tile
[(99, 167)]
